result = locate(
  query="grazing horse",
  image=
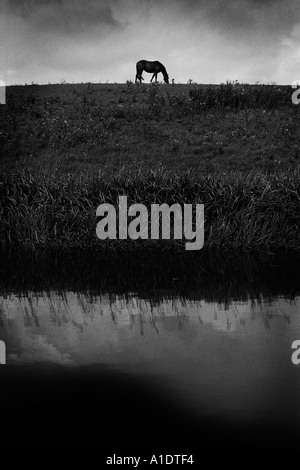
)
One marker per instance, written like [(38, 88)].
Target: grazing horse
[(150, 67)]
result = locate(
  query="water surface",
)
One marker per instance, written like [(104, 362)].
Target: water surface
[(230, 363)]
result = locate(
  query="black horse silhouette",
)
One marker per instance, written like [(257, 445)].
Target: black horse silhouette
[(150, 67)]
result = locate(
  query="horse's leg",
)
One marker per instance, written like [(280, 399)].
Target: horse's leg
[(139, 72), (152, 77)]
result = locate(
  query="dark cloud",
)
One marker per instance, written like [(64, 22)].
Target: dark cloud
[(272, 16), (268, 16), (25, 8), (63, 16)]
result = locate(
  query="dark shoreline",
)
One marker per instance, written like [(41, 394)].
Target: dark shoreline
[(211, 275)]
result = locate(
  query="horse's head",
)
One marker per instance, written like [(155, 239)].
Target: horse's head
[(166, 78)]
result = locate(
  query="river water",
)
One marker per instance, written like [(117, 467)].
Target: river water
[(189, 364)]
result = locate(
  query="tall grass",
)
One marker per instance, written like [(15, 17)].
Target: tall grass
[(233, 95), (259, 211)]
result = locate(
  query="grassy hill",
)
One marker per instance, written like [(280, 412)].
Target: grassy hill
[(86, 127), (65, 149)]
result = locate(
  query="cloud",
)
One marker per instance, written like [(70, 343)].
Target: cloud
[(206, 40), (247, 17), (66, 17), (270, 17)]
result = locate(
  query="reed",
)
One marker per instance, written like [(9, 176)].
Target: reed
[(258, 211)]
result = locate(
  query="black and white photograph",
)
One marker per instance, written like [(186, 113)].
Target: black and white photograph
[(150, 228)]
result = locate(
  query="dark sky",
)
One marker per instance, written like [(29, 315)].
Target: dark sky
[(209, 41)]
